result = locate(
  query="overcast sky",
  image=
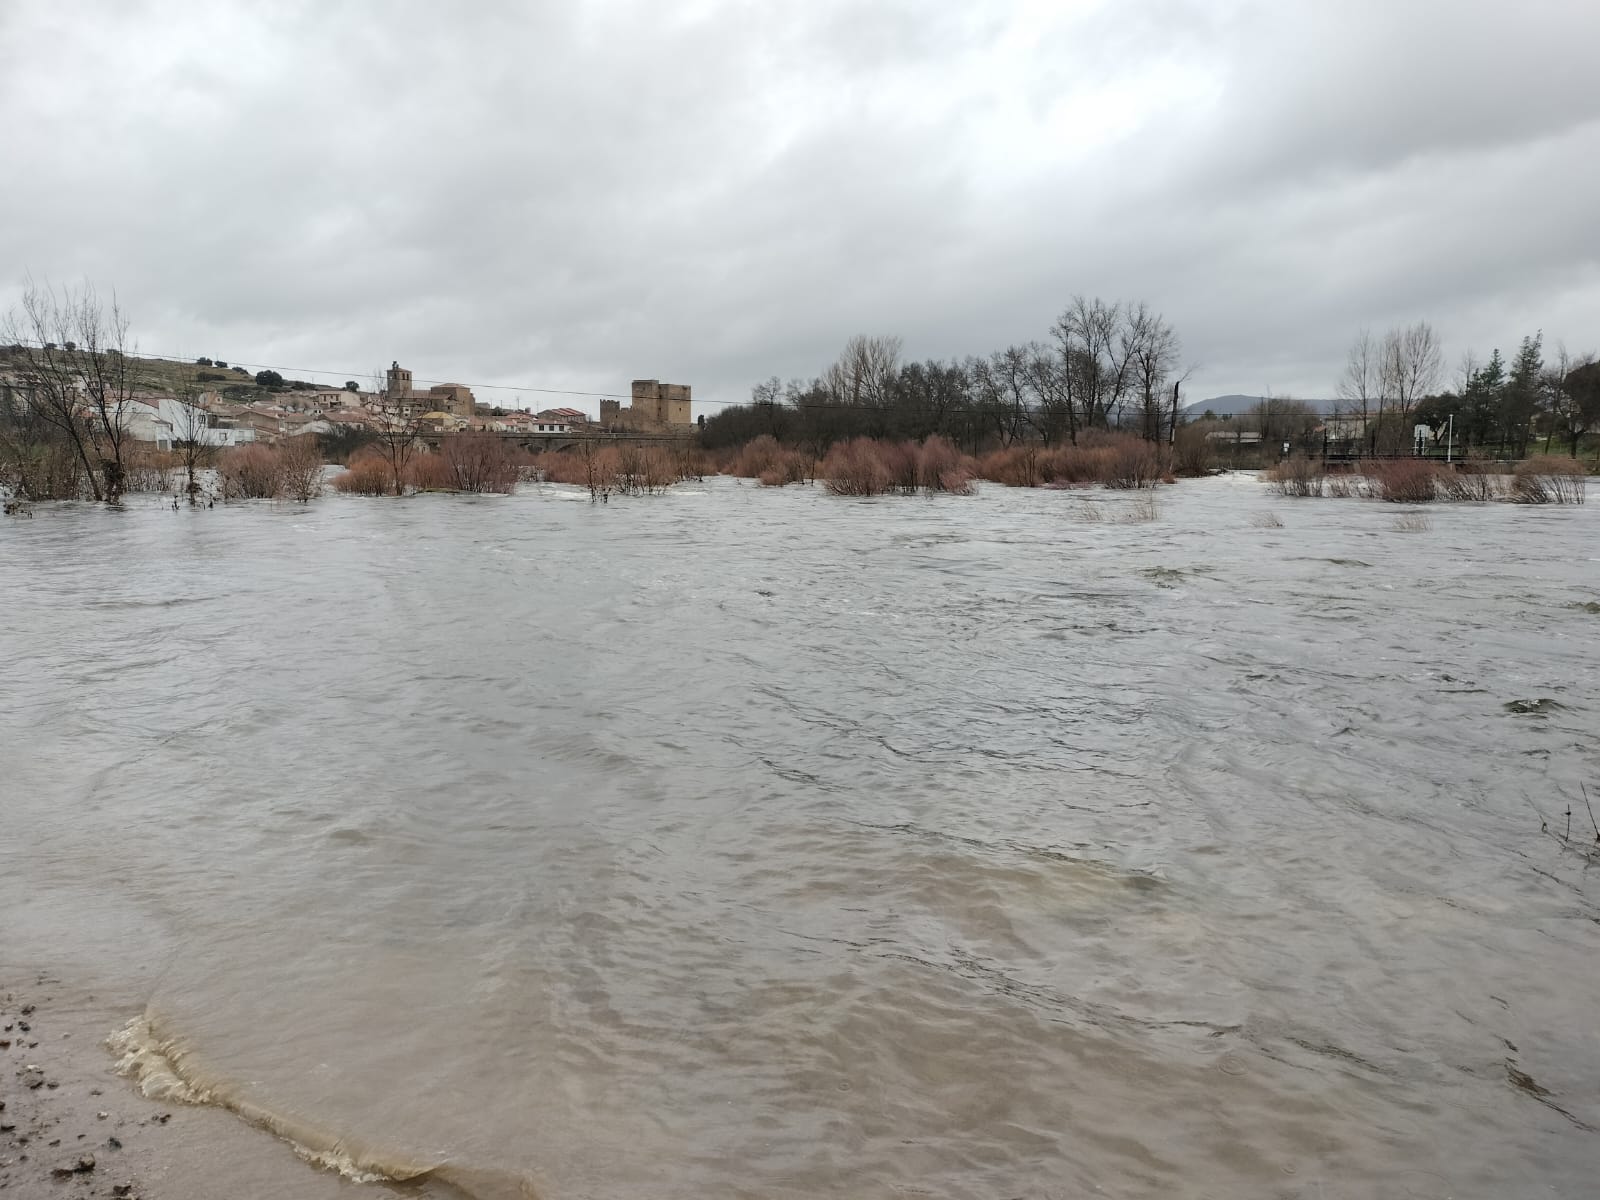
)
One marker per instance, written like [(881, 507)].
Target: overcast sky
[(574, 194)]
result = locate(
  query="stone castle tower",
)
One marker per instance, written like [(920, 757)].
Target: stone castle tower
[(399, 390), (663, 404)]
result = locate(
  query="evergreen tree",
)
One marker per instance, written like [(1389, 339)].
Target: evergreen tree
[(1523, 392), (1482, 401)]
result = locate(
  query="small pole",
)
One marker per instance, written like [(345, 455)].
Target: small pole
[(1450, 441)]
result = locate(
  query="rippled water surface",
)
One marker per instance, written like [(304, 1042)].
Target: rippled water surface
[(754, 843)]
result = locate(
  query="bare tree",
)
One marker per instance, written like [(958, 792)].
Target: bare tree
[(396, 431), (1360, 385), (599, 470), (1414, 361), (1009, 384), (1282, 418), (1152, 351), (300, 465), (77, 372), (864, 374), (480, 463), (1052, 383), (1087, 335), (191, 435)]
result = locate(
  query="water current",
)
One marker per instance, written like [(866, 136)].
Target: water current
[(741, 842)]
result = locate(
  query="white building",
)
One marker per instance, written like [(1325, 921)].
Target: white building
[(166, 420)]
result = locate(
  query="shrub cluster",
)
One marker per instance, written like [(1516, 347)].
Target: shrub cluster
[(1114, 460), (290, 469), (869, 467), (368, 474), (766, 460), (1549, 479), (1296, 476), (1403, 480), (625, 469)]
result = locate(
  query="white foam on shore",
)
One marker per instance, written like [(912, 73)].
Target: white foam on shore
[(163, 1070)]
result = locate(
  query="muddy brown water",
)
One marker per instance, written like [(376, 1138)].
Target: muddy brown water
[(754, 843)]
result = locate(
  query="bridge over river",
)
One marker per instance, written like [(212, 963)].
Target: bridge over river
[(539, 442)]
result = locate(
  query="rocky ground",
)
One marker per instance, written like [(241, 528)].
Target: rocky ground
[(72, 1128), (63, 1133)]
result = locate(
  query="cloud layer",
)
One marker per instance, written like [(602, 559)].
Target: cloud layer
[(714, 192)]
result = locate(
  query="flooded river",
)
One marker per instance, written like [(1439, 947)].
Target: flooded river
[(757, 843)]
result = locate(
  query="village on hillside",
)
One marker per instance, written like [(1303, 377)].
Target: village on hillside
[(218, 405)]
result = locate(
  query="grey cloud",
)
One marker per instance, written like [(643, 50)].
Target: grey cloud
[(571, 195)]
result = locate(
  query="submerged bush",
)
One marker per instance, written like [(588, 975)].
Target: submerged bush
[(1014, 466), (555, 466), (430, 472), (1403, 480), (1192, 452), (367, 475), (855, 468), (1469, 483), (868, 467), (626, 468), (1296, 476), (291, 468), (940, 467), (765, 459), (249, 472), (147, 469), (1133, 463), (1114, 460), (300, 466), (1549, 479), (43, 470), (480, 462)]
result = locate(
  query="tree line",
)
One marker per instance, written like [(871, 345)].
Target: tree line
[(1106, 365), (1391, 384)]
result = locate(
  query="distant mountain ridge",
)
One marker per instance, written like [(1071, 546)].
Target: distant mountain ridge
[(1236, 405)]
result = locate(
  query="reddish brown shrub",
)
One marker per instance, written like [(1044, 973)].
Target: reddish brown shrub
[(764, 458), (479, 462), (1297, 476), (855, 468), (1116, 460), (1193, 454), (249, 472), (1014, 466), (789, 467), (1132, 462), (640, 470), (560, 467), (430, 472), (367, 475), (1549, 479), (300, 465), (867, 467), (756, 457), (1469, 483), (1066, 465), (1403, 480), (940, 467), (147, 469)]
